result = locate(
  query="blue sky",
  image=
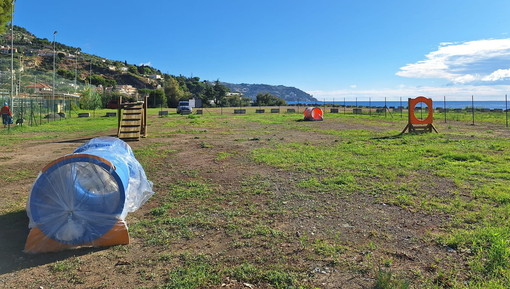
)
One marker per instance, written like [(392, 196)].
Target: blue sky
[(329, 48)]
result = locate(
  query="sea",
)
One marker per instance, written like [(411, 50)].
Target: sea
[(490, 104)]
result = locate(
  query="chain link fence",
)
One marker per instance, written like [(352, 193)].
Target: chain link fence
[(445, 110), (35, 111)]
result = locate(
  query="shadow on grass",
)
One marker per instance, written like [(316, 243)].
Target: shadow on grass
[(13, 233), (389, 137), (400, 135), (308, 120)]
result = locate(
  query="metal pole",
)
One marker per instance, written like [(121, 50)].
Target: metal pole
[(370, 106), (76, 72), (385, 107), (444, 105), (344, 105), (54, 87), (506, 109), (401, 108), (22, 111), (473, 108), (12, 59), (31, 111)]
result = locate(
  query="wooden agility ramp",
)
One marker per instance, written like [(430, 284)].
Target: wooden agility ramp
[(132, 121)]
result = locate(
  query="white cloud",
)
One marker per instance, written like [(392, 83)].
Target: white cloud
[(353, 86), (480, 62), (500, 74), (145, 64), (455, 92)]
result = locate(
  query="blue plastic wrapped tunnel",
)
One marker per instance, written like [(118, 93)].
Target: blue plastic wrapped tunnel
[(84, 196)]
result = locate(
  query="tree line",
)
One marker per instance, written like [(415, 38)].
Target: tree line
[(177, 88), (6, 8)]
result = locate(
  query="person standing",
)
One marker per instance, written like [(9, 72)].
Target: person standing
[(6, 114)]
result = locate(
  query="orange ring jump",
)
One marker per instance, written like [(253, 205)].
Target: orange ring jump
[(412, 104)]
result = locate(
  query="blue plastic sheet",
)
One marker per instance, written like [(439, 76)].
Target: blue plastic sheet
[(80, 197)]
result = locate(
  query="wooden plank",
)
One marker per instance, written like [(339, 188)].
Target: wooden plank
[(130, 136), (131, 121), (132, 117), (131, 109), (130, 130)]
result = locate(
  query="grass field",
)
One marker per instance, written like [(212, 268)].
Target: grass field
[(270, 201)]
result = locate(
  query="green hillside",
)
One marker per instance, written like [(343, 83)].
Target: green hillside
[(76, 70)]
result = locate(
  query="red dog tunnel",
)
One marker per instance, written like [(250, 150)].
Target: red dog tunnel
[(313, 113), (82, 199)]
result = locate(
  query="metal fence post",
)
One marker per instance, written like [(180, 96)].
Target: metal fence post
[(473, 108), (401, 108), (385, 108), (444, 106), (370, 106), (506, 109)]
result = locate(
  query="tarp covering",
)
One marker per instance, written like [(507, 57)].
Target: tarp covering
[(83, 196), (313, 113)]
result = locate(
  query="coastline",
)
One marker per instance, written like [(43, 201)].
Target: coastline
[(489, 104)]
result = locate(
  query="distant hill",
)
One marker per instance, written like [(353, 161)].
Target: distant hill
[(34, 58), (284, 92)]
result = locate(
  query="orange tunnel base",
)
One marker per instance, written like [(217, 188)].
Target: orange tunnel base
[(38, 242)]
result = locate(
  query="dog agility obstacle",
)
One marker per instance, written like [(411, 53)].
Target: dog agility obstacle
[(420, 125), (82, 199)]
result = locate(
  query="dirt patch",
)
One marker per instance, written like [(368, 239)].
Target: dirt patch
[(271, 222)]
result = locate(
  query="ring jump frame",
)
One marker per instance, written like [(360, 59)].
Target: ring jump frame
[(415, 125)]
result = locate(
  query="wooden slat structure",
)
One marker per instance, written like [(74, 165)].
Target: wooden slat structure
[(132, 122)]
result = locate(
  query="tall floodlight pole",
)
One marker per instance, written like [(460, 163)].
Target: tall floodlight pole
[(12, 55), (54, 56), (75, 72), (90, 74)]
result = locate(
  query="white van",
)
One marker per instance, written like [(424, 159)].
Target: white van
[(183, 107)]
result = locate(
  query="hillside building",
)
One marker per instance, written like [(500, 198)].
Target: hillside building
[(40, 88)]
